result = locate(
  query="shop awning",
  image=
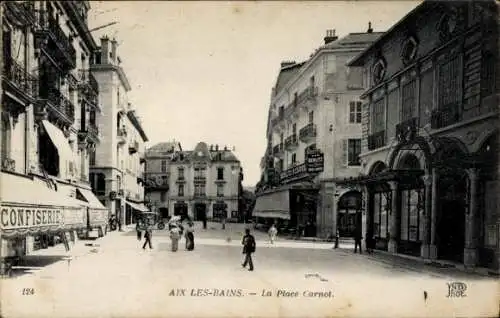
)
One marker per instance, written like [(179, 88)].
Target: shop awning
[(92, 200), (138, 206), (273, 205), (29, 207), (66, 156)]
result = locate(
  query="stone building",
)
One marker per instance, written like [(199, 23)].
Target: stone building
[(314, 136), (117, 165), (430, 130), (203, 183), (47, 127)]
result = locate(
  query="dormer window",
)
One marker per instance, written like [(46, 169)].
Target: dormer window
[(409, 50), (379, 71)]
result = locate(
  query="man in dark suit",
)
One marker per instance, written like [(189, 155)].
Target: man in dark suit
[(248, 243)]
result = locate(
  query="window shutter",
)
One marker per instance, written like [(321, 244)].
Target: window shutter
[(344, 152)]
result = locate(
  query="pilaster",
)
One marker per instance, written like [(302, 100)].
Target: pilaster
[(470, 249), (394, 222), (425, 249)]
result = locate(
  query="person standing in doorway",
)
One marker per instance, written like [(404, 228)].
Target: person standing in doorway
[(148, 235), (357, 239), (248, 243), (273, 232)]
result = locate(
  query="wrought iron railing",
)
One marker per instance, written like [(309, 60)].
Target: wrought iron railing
[(308, 131), (61, 40), (291, 141), (376, 140), (278, 148), (445, 116), (19, 77), (61, 103)]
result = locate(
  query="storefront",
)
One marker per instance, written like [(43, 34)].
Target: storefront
[(30, 209), (219, 210), (349, 209), (131, 211)]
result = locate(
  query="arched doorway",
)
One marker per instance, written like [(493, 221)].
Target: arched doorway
[(380, 198), (452, 201), (349, 213)]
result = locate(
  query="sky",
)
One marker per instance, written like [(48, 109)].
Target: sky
[(204, 71)]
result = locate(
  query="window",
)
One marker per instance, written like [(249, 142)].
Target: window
[(281, 111), (294, 129), (412, 209), (6, 135), (101, 184), (199, 190), (281, 138), (311, 81), (180, 190), (220, 190), (164, 166), (378, 116), (379, 71), (199, 172), (381, 210), (294, 158), (163, 196), (295, 99), (220, 173), (311, 117), (408, 108), (355, 112), (180, 172), (354, 150), (449, 83), (92, 158)]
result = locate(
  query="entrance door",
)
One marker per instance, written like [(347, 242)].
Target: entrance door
[(451, 220), (200, 211)]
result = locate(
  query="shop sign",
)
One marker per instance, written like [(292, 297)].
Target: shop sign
[(294, 173), (97, 216), (315, 161), (12, 217)]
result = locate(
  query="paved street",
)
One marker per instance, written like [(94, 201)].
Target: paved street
[(117, 278)]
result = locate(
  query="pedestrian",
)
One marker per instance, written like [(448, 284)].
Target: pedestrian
[(248, 243), (337, 238), (272, 233), (174, 238), (357, 240), (148, 235), (189, 236), (138, 228)]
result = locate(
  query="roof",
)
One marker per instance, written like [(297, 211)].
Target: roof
[(202, 153), (285, 74), (358, 60), (165, 147), (361, 40)]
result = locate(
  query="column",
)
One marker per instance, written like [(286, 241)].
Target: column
[(394, 221), (425, 249), (470, 249), (434, 206), (366, 217)]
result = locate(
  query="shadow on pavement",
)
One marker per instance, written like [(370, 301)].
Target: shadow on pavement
[(33, 263)]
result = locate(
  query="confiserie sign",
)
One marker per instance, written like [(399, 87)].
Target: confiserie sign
[(16, 217)]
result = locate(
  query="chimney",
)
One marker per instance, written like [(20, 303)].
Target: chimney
[(370, 30), (287, 63), (105, 50), (211, 147), (330, 36), (114, 44), (216, 147), (225, 148)]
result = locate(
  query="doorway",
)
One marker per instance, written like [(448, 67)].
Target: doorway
[(451, 218), (200, 211)]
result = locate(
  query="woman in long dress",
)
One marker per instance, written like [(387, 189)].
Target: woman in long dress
[(174, 237), (189, 236)]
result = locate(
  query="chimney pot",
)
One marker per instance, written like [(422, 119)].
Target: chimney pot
[(370, 30), (330, 36), (216, 147)]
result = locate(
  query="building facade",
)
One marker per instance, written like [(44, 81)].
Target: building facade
[(314, 136), (430, 131), (117, 165), (203, 183), (156, 175), (47, 131)]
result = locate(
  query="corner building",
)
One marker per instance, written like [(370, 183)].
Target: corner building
[(430, 134), (314, 137)]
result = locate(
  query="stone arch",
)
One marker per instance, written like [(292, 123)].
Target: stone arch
[(377, 167), (483, 138), (418, 144), (448, 149), (409, 161)]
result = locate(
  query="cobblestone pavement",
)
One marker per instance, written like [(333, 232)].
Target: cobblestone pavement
[(116, 278)]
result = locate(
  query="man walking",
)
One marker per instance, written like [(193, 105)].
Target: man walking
[(248, 243), (148, 235), (272, 233), (357, 239)]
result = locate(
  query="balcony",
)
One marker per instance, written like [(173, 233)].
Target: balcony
[(308, 97), (278, 150), (133, 147), (180, 179), (200, 195), (200, 179), (446, 116), (407, 130), (8, 164), (57, 105), (90, 132), (51, 38), (307, 133), (376, 140), (122, 135), (220, 181), (18, 79), (89, 89), (291, 142)]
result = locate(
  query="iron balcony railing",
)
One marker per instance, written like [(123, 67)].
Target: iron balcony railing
[(407, 129), (59, 104), (445, 116), (376, 140), (17, 75), (291, 141), (8, 164), (278, 149), (307, 132)]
